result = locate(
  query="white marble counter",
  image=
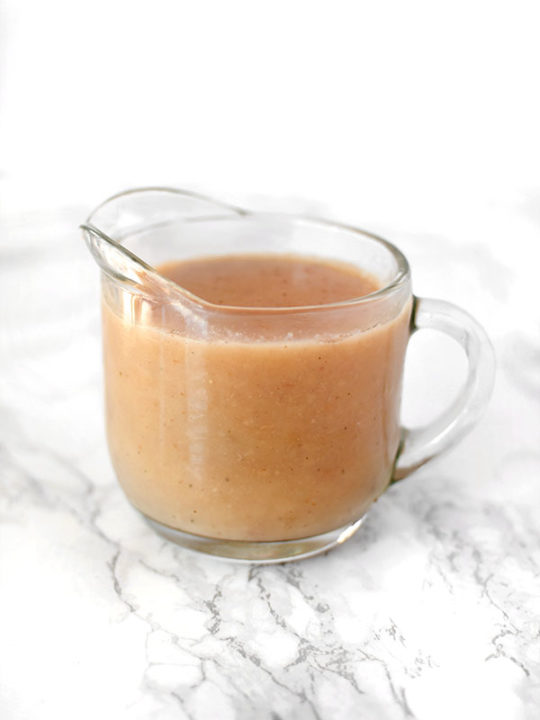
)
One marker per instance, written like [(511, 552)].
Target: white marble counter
[(431, 611)]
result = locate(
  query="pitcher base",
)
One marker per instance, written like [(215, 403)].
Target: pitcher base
[(263, 553)]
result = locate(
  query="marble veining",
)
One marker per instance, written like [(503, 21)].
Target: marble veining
[(431, 611)]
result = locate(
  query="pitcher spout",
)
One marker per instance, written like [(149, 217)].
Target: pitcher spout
[(126, 234), (115, 260)]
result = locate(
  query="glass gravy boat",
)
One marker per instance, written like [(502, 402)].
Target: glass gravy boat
[(261, 433)]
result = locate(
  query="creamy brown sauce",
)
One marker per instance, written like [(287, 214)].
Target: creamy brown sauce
[(254, 440)]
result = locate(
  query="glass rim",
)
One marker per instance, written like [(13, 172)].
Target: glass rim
[(400, 278)]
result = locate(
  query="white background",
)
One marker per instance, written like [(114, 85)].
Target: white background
[(400, 113)]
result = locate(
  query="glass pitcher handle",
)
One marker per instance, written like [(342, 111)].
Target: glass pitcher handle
[(421, 444)]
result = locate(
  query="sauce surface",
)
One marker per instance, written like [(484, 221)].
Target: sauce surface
[(269, 280)]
